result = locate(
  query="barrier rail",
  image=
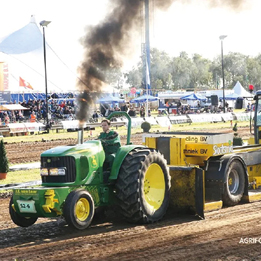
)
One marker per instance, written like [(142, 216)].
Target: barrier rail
[(163, 121), (29, 127)]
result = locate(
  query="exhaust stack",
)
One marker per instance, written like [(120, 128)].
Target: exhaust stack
[(80, 135)]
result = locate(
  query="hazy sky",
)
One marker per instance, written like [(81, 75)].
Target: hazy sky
[(193, 27)]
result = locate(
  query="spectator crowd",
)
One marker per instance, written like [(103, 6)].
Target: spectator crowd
[(36, 111)]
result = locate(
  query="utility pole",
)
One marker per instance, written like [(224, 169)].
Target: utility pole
[(147, 49), (222, 37)]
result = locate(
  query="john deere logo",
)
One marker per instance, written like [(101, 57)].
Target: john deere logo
[(94, 162)]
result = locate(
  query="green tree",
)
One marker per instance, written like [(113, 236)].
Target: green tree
[(160, 69), (216, 73), (180, 70), (4, 164), (183, 72), (114, 77), (200, 76), (254, 71), (134, 76), (235, 66)]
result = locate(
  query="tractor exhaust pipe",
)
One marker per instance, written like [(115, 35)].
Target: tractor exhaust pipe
[(80, 135)]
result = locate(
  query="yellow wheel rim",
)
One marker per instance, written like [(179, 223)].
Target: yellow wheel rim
[(82, 209), (154, 186)]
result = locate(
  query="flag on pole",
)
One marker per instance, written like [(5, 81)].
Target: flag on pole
[(148, 88), (25, 84)]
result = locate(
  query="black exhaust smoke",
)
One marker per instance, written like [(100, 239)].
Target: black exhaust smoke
[(108, 43)]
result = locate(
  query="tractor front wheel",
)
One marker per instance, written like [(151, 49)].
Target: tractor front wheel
[(18, 219), (143, 186), (79, 209)]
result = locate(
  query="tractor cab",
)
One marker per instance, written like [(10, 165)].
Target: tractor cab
[(257, 118)]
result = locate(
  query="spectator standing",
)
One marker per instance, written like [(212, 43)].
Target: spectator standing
[(6, 119), (32, 117), (95, 116)]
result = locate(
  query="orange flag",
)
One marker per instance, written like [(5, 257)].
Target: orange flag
[(25, 84)]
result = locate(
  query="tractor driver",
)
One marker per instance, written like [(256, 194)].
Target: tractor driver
[(110, 141)]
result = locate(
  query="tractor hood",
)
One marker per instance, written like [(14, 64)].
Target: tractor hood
[(87, 148), (76, 164)]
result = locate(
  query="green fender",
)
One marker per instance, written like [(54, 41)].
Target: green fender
[(119, 158)]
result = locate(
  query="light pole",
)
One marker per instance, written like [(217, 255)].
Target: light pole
[(222, 37), (44, 24)]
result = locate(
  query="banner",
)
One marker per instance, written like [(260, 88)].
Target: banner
[(5, 96), (4, 74), (25, 127)]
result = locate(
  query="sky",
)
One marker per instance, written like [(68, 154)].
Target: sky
[(190, 26)]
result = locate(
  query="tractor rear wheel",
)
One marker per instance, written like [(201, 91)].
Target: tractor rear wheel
[(235, 184), (143, 186), (18, 219), (79, 209)]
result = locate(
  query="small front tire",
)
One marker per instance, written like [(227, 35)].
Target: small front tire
[(79, 209), (18, 219)]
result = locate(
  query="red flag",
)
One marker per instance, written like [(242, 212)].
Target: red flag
[(25, 84), (21, 82)]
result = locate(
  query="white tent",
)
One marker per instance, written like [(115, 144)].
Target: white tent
[(240, 91), (23, 51), (12, 107), (27, 39)]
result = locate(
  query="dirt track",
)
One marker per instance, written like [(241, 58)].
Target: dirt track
[(25, 152), (30, 151), (174, 238)]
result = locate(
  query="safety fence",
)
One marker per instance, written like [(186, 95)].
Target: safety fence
[(163, 121)]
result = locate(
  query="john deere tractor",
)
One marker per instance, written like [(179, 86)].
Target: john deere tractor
[(75, 182)]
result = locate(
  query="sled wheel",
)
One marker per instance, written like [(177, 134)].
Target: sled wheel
[(143, 186), (18, 219), (79, 209), (235, 184)]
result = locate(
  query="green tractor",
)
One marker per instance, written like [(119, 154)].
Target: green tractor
[(75, 183)]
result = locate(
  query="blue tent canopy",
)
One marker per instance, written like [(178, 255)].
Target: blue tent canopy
[(111, 99), (27, 96), (144, 98), (37, 96), (232, 96), (193, 96)]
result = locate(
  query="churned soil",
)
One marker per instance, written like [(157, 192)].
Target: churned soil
[(25, 152), (227, 234)]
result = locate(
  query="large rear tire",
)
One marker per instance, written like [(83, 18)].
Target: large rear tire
[(79, 209), (235, 184), (18, 219), (143, 186)]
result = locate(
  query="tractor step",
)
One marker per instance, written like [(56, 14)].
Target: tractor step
[(211, 206), (253, 195)]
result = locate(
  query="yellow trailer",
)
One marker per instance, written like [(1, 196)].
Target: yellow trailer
[(206, 171)]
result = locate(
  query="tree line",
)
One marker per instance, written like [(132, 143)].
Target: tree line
[(196, 72)]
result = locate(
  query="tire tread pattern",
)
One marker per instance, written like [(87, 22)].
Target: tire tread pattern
[(128, 187)]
